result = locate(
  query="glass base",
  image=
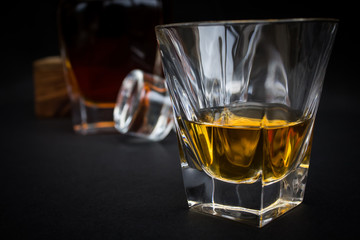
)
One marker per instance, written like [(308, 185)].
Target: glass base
[(92, 118), (249, 216), (255, 204)]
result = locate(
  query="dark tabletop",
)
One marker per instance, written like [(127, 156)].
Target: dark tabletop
[(55, 184)]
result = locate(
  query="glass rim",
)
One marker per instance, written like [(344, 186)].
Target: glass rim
[(244, 21)]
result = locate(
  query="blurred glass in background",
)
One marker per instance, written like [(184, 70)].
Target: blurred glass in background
[(101, 41)]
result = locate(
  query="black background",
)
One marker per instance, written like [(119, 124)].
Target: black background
[(58, 185)]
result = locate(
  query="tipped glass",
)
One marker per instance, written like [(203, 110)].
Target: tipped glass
[(143, 107), (245, 96)]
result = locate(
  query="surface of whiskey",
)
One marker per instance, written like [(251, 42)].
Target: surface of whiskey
[(245, 143)]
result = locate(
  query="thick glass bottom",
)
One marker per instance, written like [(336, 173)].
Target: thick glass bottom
[(92, 118), (253, 217), (255, 204)]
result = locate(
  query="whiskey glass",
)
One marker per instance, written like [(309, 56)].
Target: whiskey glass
[(101, 41), (245, 95)]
